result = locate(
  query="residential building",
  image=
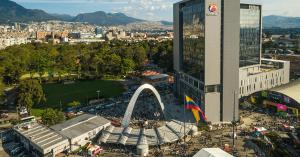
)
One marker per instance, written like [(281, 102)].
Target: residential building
[(5, 42)]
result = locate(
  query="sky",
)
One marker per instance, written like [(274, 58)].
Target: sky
[(153, 10)]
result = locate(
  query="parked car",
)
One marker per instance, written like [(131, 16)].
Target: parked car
[(7, 139), (21, 154), (17, 150), (11, 146), (4, 115), (91, 111)]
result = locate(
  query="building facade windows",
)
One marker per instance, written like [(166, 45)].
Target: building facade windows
[(193, 33), (250, 35), (263, 80)]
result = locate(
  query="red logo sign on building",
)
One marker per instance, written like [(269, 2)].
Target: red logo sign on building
[(212, 8)]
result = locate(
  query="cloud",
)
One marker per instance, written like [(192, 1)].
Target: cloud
[(146, 9), (151, 5), (150, 9), (278, 7)]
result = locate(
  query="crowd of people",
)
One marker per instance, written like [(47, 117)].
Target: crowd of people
[(146, 109)]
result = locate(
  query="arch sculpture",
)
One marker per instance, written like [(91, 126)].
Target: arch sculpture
[(128, 113)]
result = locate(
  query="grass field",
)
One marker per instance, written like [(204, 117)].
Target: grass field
[(37, 112), (79, 91)]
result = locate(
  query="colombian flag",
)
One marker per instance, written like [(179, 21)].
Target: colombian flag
[(191, 105)]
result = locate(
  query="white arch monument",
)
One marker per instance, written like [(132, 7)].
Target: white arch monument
[(128, 113)]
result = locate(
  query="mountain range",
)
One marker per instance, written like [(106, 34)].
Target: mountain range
[(12, 12), (102, 18), (281, 22)]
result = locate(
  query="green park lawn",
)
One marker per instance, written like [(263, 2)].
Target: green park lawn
[(79, 91)]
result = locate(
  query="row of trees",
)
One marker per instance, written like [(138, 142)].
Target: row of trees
[(96, 59), (1, 91)]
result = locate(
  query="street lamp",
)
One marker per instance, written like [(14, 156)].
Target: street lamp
[(98, 92)]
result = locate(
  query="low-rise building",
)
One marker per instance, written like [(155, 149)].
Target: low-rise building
[(5, 42), (269, 74), (80, 130), (65, 137), (159, 79), (40, 140), (294, 61)]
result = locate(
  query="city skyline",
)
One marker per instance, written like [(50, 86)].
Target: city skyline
[(153, 10)]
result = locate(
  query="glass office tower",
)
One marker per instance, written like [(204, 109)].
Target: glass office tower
[(206, 55), (250, 35), (193, 16)]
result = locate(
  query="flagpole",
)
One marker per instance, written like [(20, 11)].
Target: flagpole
[(233, 123), (184, 118)]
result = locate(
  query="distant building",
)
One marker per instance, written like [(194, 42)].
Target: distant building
[(5, 42), (98, 31), (294, 61), (17, 26), (287, 43), (121, 35), (41, 35), (45, 36), (109, 35), (74, 35), (87, 41), (87, 35), (159, 79), (65, 39)]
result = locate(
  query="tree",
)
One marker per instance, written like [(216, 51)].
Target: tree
[(73, 104), (127, 66), (25, 99), (139, 56), (162, 55), (1, 91), (30, 93), (52, 117), (97, 59), (298, 45), (12, 73), (113, 64)]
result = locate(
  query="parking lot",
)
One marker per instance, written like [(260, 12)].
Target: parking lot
[(114, 108), (11, 147)]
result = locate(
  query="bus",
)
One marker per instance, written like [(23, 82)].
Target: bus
[(94, 150), (28, 119)]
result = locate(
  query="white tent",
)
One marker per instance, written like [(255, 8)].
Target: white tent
[(260, 129), (212, 152)]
